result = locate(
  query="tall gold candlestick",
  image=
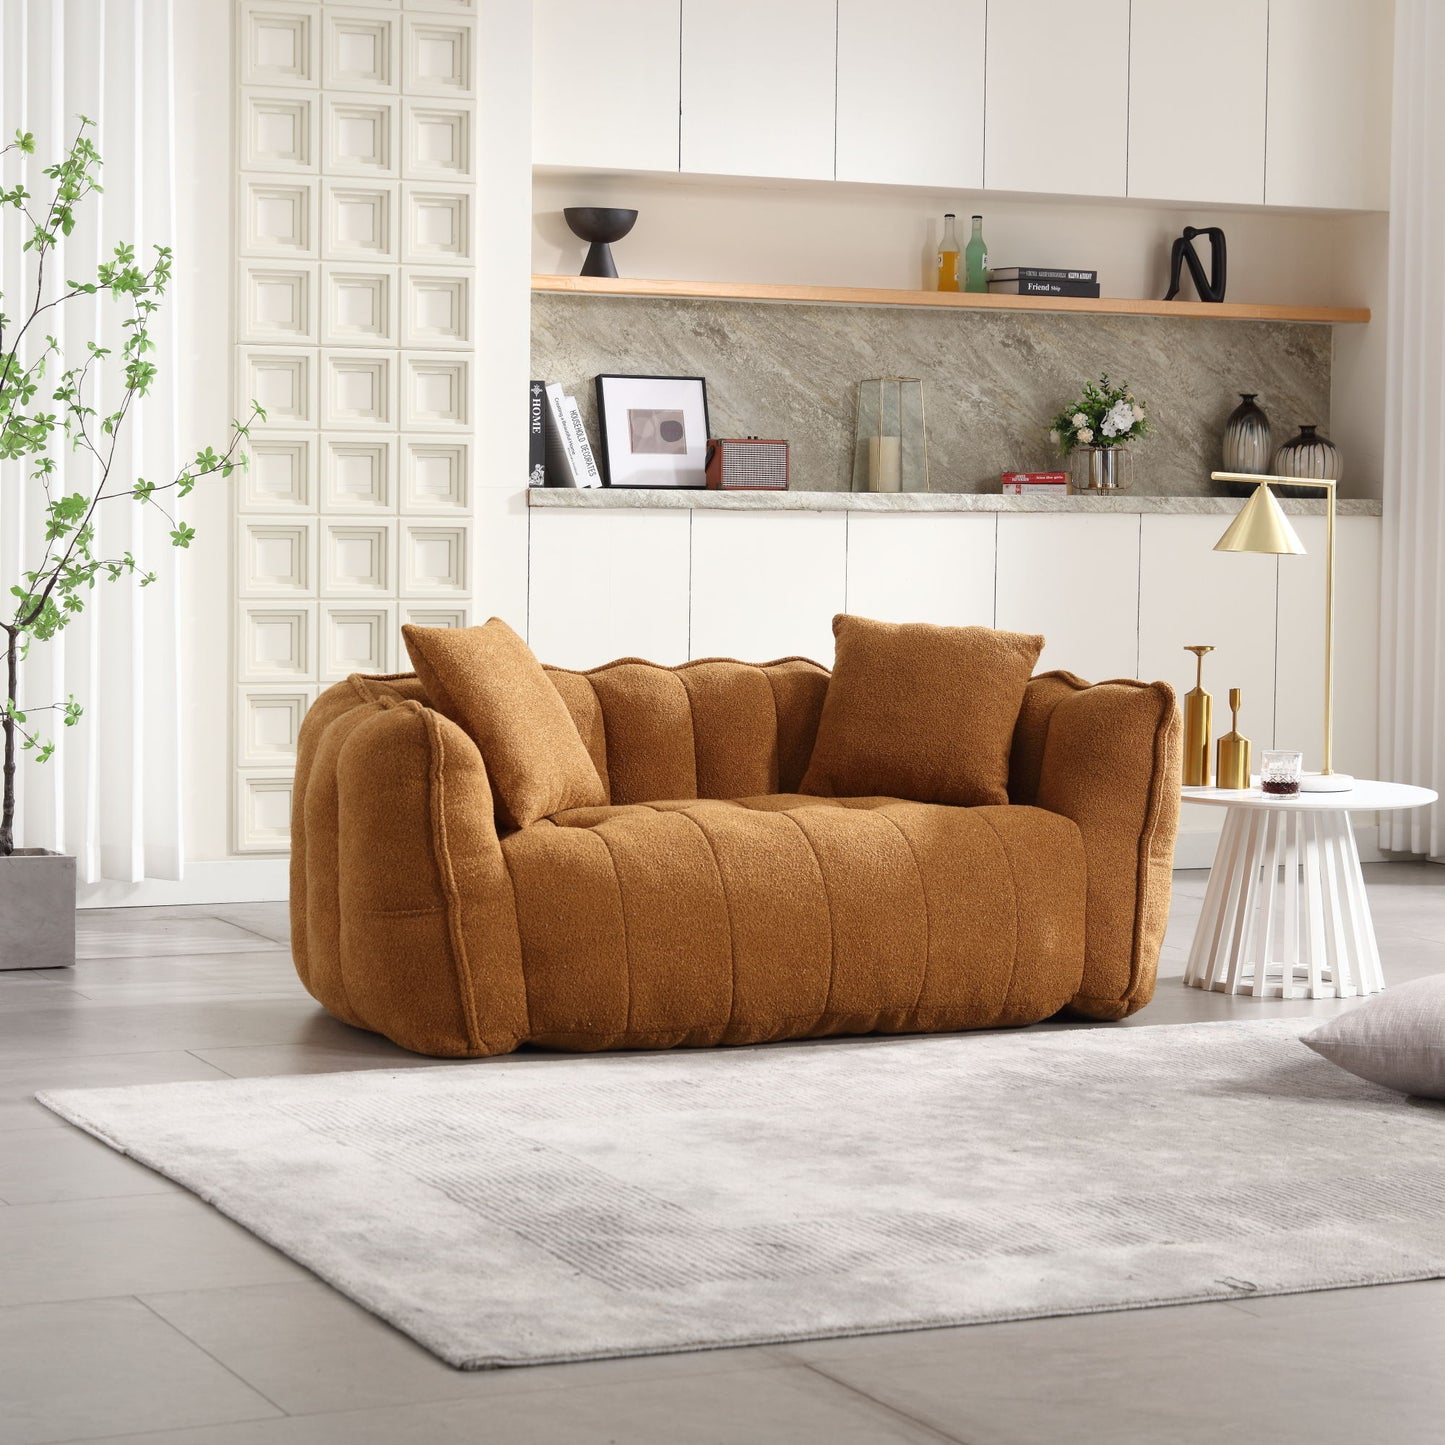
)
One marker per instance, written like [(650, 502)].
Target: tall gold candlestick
[(1198, 725)]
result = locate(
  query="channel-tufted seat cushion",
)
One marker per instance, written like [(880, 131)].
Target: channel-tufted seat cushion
[(712, 922), (707, 900)]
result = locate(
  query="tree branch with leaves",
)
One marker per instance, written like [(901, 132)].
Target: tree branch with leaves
[(40, 418)]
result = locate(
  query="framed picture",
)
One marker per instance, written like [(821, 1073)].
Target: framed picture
[(654, 430)]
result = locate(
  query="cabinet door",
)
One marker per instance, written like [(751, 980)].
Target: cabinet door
[(605, 84), (1329, 103), (608, 584), (1075, 579), (1301, 696), (910, 92), (759, 82), (767, 584), (1057, 116), (922, 566), (1196, 100)]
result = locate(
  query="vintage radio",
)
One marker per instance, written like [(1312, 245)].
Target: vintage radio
[(743, 464)]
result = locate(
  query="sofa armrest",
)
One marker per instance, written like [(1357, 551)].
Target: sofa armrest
[(1110, 761), (402, 909)]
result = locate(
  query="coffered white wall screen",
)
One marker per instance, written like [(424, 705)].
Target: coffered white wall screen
[(112, 794), (356, 240), (1412, 651)]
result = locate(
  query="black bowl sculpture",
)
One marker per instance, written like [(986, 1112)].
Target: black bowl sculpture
[(601, 225)]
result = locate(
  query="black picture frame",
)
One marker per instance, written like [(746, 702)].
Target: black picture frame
[(612, 437)]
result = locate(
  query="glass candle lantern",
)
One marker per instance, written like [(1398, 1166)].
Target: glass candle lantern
[(890, 450), (1279, 772)]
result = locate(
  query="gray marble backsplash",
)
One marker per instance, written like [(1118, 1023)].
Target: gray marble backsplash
[(992, 380)]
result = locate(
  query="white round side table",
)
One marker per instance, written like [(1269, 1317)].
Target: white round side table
[(1285, 913)]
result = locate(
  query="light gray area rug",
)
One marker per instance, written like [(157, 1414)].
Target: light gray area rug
[(529, 1210)]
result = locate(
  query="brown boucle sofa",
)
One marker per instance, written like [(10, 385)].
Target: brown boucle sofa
[(708, 902)]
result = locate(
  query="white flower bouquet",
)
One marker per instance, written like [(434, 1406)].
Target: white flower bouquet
[(1105, 415)]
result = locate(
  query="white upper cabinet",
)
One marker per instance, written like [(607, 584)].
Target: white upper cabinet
[(1058, 97), (1241, 102), (1196, 100), (759, 83), (910, 92), (605, 84), (1329, 103)]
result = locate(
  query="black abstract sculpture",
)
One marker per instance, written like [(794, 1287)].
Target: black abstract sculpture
[(1211, 287), (601, 225)]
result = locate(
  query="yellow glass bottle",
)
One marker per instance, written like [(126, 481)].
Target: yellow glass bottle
[(948, 255)]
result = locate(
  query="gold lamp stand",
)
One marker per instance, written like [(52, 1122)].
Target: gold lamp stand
[(1262, 527)]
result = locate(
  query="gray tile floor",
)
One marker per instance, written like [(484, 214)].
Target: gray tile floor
[(130, 1311)]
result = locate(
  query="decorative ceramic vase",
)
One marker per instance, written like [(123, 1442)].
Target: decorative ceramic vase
[(1100, 469), (1248, 446), (1307, 455), (601, 226)]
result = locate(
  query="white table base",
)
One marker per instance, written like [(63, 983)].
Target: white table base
[(1285, 913)]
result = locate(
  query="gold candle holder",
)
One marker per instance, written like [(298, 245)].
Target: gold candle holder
[(1233, 758), (1198, 724)]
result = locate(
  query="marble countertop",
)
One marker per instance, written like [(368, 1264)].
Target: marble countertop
[(1126, 502)]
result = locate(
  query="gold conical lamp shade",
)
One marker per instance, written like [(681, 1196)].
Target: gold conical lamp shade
[(1261, 526)]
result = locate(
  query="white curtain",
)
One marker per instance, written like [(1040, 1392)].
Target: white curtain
[(1412, 649), (112, 793)]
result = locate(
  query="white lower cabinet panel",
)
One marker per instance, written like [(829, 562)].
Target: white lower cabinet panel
[(1300, 696), (1075, 580), (609, 584), (927, 567), (1191, 594), (767, 585)]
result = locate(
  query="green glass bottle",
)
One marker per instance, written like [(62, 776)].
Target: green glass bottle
[(975, 259)]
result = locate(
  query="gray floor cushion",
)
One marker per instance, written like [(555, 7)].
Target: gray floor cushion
[(1397, 1039)]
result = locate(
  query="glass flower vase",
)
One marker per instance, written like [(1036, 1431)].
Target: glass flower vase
[(1100, 469)]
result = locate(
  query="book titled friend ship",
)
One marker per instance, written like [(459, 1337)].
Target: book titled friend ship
[(1042, 281)]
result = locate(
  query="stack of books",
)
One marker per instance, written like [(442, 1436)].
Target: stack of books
[(1035, 484), (561, 454), (1042, 281)]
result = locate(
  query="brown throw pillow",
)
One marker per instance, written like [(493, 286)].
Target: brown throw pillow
[(920, 712), (489, 682)]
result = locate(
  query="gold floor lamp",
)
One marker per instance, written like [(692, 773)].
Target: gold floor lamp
[(1262, 527)]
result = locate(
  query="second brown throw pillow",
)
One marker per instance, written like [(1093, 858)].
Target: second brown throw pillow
[(920, 712)]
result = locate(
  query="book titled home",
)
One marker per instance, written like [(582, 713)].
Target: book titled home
[(537, 434)]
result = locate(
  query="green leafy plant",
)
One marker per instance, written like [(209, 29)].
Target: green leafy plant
[(47, 405), (1105, 415)]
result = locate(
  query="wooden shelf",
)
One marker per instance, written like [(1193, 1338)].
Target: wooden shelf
[(880, 296)]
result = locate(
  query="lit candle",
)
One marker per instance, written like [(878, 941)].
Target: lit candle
[(884, 468)]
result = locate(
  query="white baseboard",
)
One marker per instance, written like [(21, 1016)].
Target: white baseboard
[(220, 880), (1195, 847)]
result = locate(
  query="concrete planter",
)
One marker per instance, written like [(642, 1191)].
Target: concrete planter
[(37, 910)]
